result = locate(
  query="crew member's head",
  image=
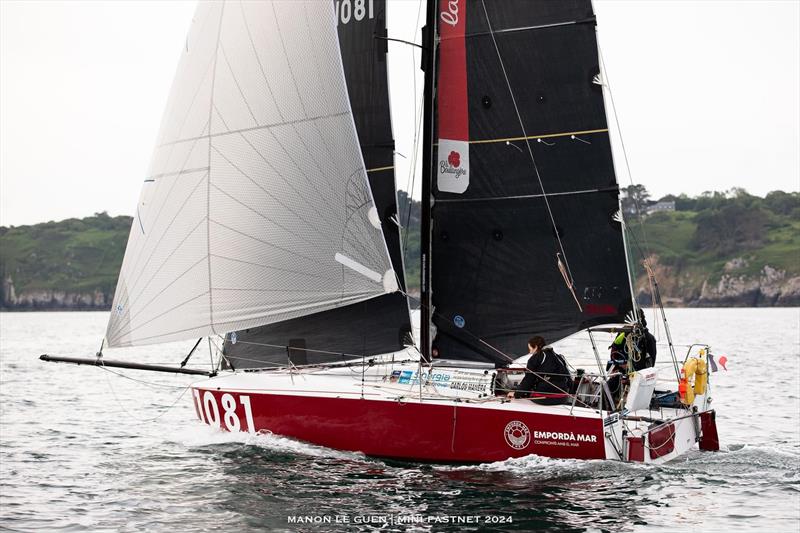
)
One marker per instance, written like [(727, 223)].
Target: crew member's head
[(535, 344)]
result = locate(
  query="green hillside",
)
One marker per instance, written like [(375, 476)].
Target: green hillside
[(73, 255), (731, 233), (702, 240)]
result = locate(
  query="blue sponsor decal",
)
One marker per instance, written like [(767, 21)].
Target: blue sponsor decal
[(459, 321), (405, 377)]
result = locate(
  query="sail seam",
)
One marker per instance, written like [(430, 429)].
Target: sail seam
[(234, 259), (164, 262), (176, 173), (254, 182), (288, 63), (258, 61), (131, 330), (288, 251), (165, 200), (253, 128), (155, 248), (283, 178)]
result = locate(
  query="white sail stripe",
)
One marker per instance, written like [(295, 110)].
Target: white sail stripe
[(358, 267)]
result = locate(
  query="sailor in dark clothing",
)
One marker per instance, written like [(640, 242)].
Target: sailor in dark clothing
[(547, 378)]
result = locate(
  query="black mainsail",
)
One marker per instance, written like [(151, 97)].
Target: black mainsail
[(377, 325), (523, 183)]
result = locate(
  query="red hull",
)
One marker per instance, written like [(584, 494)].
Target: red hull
[(391, 429)]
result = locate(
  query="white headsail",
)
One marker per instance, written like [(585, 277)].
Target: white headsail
[(256, 189)]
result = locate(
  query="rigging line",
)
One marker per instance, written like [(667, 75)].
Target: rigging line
[(543, 136), (140, 420), (148, 384), (413, 178), (658, 303), (526, 196), (607, 81), (591, 19), (379, 169), (527, 141), (412, 174), (392, 39), (536, 137)]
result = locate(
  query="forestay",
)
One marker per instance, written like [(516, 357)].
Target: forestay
[(256, 208)]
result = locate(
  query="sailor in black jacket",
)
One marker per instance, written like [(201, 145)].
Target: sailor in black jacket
[(547, 377)]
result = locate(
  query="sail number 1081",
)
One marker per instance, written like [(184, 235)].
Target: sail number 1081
[(347, 10), (209, 411)]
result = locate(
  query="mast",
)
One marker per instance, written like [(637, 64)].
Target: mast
[(428, 65)]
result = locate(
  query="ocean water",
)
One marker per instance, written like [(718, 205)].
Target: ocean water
[(82, 448)]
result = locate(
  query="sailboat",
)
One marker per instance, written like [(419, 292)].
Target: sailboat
[(268, 222)]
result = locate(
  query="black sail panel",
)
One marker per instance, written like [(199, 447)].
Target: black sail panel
[(382, 324), (496, 279)]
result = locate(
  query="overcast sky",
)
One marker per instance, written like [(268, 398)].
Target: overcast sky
[(707, 93)]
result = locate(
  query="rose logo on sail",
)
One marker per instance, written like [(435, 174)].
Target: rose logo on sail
[(454, 159), (517, 435)]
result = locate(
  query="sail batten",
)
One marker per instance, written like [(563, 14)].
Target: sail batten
[(256, 183)]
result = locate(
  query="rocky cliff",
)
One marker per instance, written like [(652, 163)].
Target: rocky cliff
[(736, 286), (52, 300)]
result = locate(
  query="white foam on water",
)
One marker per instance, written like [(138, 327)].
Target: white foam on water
[(197, 435)]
